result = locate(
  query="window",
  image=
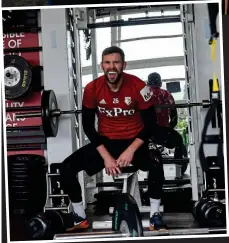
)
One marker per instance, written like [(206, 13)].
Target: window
[(84, 61), (153, 48), (166, 72), (128, 32), (150, 14), (88, 78), (173, 87), (103, 40), (148, 48), (180, 94)]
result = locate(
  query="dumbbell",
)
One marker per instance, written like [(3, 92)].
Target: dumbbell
[(213, 214), (45, 225), (197, 208), (208, 212)]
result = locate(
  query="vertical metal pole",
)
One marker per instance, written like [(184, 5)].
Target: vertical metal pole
[(190, 75), (114, 30), (93, 180), (196, 110), (94, 50), (78, 77), (119, 36), (95, 75), (79, 98)]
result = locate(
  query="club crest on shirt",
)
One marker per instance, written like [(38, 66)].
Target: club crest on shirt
[(146, 93), (128, 100)]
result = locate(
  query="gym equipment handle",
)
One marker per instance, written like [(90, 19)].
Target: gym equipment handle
[(28, 115), (58, 112), (55, 113), (24, 108)]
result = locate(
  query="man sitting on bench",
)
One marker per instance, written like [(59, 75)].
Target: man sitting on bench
[(124, 106)]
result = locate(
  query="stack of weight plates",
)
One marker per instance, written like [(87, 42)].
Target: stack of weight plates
[(27, 183)]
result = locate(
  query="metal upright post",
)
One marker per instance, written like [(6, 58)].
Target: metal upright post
[(78, 76), (94, 50), (114, 30), (186, 18)]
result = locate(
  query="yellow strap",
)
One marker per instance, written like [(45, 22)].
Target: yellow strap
[(215, 86), (213, 47)]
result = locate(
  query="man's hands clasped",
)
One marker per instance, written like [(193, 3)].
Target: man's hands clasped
[(113, 166)]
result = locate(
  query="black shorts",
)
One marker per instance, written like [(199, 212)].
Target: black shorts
[(89, 159)]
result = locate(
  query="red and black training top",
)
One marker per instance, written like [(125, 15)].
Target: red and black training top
[(124, 114)]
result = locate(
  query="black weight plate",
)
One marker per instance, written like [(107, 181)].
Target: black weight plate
[(57, 223), (203, 209), (17, 76), (126, 216), (194, 209), (49, 103), (25, 160), (197, 207), (44, 226), (15, 183), (30, 164), (215, 215), (37, 227)]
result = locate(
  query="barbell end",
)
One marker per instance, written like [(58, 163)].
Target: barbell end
[(59, 112), (28, 115), (56, 113), (206, 103)]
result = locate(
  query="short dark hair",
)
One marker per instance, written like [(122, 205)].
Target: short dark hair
[(114, 49), (154, 80)]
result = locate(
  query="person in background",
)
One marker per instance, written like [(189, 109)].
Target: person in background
[(167, 118)]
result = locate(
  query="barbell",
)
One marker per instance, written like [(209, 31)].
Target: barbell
[(49, 111), (126, 221)]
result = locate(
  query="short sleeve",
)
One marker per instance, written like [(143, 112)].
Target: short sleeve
[(144, 96), (88, 96)]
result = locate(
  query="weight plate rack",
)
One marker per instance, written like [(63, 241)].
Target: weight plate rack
[(27, 183)]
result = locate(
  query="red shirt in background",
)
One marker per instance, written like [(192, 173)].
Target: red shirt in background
[(162, 96)]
